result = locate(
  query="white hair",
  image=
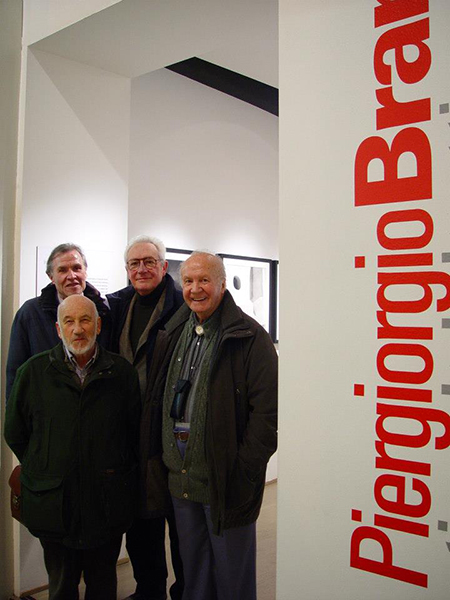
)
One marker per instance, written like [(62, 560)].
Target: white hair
[(146, 239)]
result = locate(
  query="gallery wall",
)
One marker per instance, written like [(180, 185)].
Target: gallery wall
[(75, 164), (10, 49), (203, 168), (45, 17)]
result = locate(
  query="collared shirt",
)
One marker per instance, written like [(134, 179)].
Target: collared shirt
[(191, 355), (81, 372)]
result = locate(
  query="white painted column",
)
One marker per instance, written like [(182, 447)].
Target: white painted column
[(364, 426)]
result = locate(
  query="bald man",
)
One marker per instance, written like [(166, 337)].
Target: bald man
[(73, 422), (214, 388)]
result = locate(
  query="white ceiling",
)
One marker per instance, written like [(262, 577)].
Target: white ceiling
[(134, 37)]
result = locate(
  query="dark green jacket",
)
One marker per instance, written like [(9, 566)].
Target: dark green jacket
[(77, 445), (241, 423)]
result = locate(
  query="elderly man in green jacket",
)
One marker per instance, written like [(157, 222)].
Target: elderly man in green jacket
[(73, 422), (214, 388)]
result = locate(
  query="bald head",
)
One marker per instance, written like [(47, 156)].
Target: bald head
[(78, 326), (76, 302), (203, 280), (212, 261)]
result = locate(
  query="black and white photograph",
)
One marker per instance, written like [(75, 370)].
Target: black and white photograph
[(175, 257), (249, 282)]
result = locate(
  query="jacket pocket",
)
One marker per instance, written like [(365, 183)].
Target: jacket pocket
[(241, 487), (120, 495), (42, 503)]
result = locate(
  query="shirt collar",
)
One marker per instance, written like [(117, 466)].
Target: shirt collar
[(73, 361)]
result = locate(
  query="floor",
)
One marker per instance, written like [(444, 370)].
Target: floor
[(266, 558)]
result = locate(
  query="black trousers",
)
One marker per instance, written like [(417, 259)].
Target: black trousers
[(98, 565), (145, 543)]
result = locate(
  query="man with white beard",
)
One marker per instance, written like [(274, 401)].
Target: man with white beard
[(73, 422)]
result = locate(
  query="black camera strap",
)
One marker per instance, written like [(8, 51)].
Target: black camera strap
[(193, 357), (192, 361)]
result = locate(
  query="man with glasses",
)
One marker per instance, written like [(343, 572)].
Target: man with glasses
[(138, 312)]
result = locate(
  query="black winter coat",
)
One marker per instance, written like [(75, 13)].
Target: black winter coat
[(78, 445)]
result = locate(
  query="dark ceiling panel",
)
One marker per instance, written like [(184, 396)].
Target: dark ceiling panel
[(244, 88)]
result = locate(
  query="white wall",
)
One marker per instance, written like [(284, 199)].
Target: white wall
[(45, 17), (75, 180), (135, 37), (329, 343), (203, 168), (10, 23)]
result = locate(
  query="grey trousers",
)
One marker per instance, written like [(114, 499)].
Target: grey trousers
[(215, 567)]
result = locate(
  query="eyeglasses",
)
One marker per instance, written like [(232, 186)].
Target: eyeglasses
[(149, 263)]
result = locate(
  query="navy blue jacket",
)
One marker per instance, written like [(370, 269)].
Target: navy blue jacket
[(33, 329)]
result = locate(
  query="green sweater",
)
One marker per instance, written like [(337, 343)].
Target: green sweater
[(188, 477)]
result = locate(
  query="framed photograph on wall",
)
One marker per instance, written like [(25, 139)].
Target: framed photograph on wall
[(250, 282), (175, 257)]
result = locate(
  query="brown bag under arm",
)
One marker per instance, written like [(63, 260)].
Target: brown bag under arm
[(14, 484)]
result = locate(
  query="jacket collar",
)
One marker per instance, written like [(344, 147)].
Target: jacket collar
[(126, 295), (48, 299)]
